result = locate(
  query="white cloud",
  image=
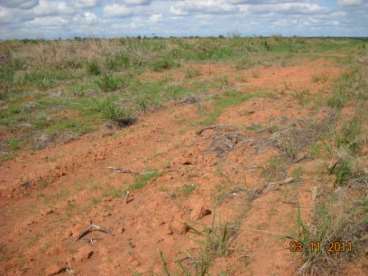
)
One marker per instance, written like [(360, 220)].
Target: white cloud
[(284, 8), (350, 2), (137, 2), (49, 8), (86, 3), (49, 21), (156, 17), (117, 10), (62, 18), (5, 15), (202, 6), (19, 4)]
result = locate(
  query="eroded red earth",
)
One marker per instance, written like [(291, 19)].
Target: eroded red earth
[(50, 196)]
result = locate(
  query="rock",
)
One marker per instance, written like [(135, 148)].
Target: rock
[(126, 122), (199, 212), (42, 141), (29, 106), (67, 137), (83, 254), (47, 212), (24, 125), (109, 125), (26, 184), (190, 100), (133, 261), (57, 94), (178, 227), (57, 269)]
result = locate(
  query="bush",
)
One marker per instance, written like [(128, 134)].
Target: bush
[(109, 83), (163, 64), (111, 111), (349, 136), (93, 68), (117, 62)]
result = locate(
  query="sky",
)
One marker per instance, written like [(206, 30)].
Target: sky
[(50, 19)]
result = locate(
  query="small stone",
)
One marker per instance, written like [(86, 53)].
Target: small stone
[(42, 141), (83, 254), (200, 212), (57, 269), (178, 227), (48, 212)]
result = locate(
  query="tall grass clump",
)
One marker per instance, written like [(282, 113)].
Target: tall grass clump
[(93, 68), (109, 83), (110, 110)]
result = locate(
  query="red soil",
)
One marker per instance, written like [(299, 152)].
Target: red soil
[(48, 197)]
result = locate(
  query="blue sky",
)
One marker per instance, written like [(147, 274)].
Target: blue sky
[(111, 18)]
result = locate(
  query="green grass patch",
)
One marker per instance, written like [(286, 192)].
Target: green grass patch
[(143, 179), (93, 68), (14, 144), (188, 189), (221, 102), (110, 110), (110, 83), (163, 64)]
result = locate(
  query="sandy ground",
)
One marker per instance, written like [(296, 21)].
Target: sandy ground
[(49, 197)]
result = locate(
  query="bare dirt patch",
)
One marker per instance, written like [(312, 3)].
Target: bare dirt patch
[(171, 184)]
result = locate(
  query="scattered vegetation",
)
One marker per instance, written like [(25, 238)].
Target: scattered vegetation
[(109, 83), (70, 74), (93, 68), (143, 179), (191, 73), (188, 189), (223, 101), (335, 235), (275, 169), (41, 82), (216, 242)]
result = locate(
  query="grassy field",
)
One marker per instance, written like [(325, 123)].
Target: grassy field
[(57, 90), (52, 92)]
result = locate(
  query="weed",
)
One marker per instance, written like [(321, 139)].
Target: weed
[(164, 264), (224, 101), (109, 83), (192, 73), (297, 174), (143, 179), (218, 238), (14, 144), (303, 97), (188, 189), (275, 169), (350, 135), (292, 140), (255, 127), (343, 226), (44, 79), (321, 78), (343, 171), (117, 62), (93, 68), (163, 64), (111, 111)]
